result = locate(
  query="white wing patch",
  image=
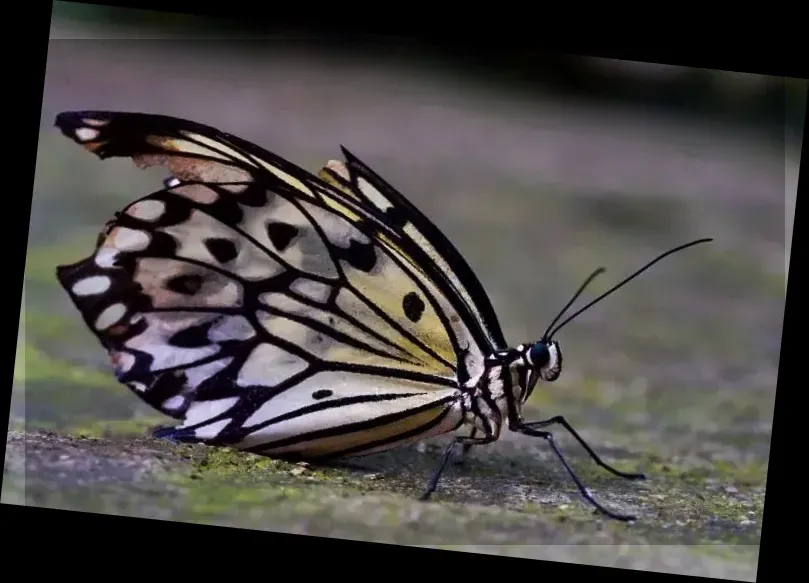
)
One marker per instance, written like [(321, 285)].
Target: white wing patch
[(269, 366), (91, 286)]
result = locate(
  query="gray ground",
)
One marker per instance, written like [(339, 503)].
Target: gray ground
[(674, 377)]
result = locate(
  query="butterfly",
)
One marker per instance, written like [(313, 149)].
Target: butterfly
[(297, 315)]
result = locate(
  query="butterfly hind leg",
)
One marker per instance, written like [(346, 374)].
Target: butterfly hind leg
[(466, 442), (465, 448)]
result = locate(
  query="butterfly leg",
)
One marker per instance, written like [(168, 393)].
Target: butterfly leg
[(466, 447), (559, 420), (548, 436), (433, 483)]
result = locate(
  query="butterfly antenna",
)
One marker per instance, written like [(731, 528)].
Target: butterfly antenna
[(624, 282), (587, 281)]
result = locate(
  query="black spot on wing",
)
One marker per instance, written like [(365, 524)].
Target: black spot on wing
[(395, 217), (163, 387), (361, 256), (322, 394), (192, 337), (223, 250), (281, 234), (162, 245), (185, 284), (413, 306)]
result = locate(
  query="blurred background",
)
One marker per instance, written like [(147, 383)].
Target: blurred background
[(540, 168)]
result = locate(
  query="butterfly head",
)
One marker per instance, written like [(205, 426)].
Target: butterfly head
[(535, 361), (545, 359)]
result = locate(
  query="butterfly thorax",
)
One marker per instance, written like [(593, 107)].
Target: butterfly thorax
[(506, 382)]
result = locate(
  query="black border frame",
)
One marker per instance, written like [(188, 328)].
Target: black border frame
[(60, 539)]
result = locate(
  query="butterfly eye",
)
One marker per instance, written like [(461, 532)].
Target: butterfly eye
[(539, 355)]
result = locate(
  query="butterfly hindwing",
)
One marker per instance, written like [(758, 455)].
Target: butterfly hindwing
[(200, 306)]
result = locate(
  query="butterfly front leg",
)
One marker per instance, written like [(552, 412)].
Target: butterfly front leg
[(534, 429), (530, 428)]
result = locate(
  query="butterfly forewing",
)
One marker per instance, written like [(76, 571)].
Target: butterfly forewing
[(272, 312), (362, 183), (195, 151)]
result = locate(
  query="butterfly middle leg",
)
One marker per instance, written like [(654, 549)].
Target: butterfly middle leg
[(466, 447)]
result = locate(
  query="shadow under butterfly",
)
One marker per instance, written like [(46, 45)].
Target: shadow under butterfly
[(299, 316)]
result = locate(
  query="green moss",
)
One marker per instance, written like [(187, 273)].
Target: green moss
[(214, 500), (223, 482), (729, 473), (219, 463), (228, 463), (133, 427)]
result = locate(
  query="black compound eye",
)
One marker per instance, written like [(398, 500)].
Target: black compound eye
[(539, 355)]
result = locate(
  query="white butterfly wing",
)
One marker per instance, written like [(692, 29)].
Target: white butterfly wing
[(263, 307)]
